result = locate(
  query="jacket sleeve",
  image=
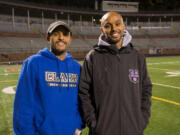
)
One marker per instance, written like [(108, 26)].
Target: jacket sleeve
[(146, 94), (85, 94), (23, 113)]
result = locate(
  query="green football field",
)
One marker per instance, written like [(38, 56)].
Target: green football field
[(165, 110)]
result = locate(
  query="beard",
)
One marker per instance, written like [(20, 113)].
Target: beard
[(110, 40), (56, 51)]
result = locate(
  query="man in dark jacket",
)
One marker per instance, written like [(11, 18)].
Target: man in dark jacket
[(115, 88)]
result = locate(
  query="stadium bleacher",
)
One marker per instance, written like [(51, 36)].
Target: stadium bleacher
[(146, 34)]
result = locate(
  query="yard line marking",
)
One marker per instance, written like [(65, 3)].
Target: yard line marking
[(8, 81), (159, 68), (9, 74), (157, 63), (164, 85), (165, 100), (172, 74)]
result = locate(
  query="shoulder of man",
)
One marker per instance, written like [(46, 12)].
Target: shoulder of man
[(138, 53), (75, 62), (90, 54)]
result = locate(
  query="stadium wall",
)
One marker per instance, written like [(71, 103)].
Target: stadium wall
[(80, 55), (23, 27)]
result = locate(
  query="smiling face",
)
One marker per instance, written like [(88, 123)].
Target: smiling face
[(60, 40), (112, 27)]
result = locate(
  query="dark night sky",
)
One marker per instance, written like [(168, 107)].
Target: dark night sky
[(144, 5)]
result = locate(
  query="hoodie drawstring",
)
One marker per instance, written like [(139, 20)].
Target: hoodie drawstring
[(46, 53), (58, 66), (67, 72)]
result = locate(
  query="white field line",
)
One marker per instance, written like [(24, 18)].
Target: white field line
[(171, 73), (170, 62), (168, 86), (164, 69), (165, 100), (5, 74)]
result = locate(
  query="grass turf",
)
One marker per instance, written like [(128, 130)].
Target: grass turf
[(165, 116)]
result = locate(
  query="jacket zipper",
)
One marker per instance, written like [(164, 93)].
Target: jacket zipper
[(119, 93)]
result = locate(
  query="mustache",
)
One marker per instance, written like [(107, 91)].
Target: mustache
[(120, 32), (61, 41)]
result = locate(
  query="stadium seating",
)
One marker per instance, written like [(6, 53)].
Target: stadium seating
[(85, 35)]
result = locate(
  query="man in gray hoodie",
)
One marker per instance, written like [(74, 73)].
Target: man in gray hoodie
[(115, 88)]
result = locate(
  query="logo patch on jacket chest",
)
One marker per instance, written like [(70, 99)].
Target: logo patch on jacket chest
[(134, 75)]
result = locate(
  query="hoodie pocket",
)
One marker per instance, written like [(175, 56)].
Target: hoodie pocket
[(44, 127), (50, 126), (59, 125)]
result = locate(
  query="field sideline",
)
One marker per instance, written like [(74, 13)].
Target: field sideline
[(165, 110)]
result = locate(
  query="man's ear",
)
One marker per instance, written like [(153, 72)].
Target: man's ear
[(47, 37)]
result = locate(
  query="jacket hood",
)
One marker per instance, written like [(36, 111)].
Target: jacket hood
[(126, 40), (46, 52), (104, 46)]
